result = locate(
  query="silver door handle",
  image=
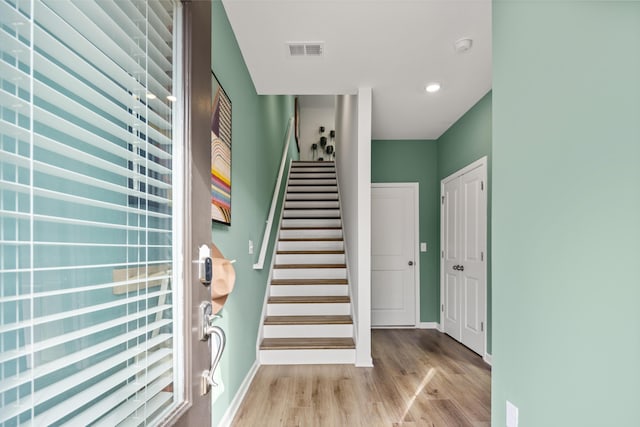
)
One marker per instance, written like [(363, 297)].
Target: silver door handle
[(206, 378)]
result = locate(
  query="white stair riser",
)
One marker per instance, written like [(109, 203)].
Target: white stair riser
[(310, 246), (308, 290), (307, 182), (312, 204), (310, 259), (309, 273), (316, 196), (308, 331), (306, 357), (311, 234), (312, 175), (311, 188), (311, 223), (323, 309), (311, 213)]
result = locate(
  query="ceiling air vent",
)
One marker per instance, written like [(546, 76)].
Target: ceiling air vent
[(301, 49)]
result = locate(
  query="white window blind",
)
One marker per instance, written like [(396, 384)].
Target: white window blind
[(87, 227)]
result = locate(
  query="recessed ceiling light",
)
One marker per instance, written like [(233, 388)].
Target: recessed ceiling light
[(172, 98), (433, 87), (151, 96)]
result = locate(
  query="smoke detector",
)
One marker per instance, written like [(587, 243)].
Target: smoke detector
[(302, 49), (463, 45)]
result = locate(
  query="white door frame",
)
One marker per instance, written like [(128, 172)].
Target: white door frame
[(416, 241), (478, 163)]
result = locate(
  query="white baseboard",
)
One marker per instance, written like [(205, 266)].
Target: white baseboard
[(429, 325), (231, 411), (487, 358)]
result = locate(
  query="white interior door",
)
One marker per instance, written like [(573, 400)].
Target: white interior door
[(452, 256), (393, 254), (464, 225)]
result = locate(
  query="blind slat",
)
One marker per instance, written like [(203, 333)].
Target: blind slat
[(95, 370), (117, 416), (60, 52), (78, 400), (61, 339), (157, 82), (104, 406)]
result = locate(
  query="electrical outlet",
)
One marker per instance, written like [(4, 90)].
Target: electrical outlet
[(423, 247), (512, 415), (250, 247)]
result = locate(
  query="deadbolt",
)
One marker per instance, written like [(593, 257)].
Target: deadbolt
[(410, 262)]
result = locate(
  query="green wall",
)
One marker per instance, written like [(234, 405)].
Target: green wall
[(466, 141), (566, 213), (258, 130), (416, 161)]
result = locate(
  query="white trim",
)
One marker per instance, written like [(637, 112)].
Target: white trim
[(429, 325), (267, 291), (363, 227), (415, 186), (233, 407), (474, 165), (471, 166), (487, 358)]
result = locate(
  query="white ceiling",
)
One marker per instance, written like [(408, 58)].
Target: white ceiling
[(395, 47)]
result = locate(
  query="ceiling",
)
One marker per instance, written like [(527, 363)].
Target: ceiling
[(395, 47)]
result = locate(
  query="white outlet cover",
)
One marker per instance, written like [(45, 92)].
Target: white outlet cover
[(423, 247), (512, 415)]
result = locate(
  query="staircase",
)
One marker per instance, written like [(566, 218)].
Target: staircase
[(308, 318)]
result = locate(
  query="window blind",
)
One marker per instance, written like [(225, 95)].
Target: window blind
[(87, 227)]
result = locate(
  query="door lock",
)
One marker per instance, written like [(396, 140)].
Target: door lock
[(458, 267), (410, 262)]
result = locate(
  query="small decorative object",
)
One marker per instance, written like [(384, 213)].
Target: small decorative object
[(321, 129), (220, 154), (323, 141), (332, 134), (314, 148), (329, 149)]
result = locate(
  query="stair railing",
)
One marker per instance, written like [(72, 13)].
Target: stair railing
[(274, 200)]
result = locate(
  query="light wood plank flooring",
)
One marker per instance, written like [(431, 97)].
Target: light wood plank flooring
[(419, 378)]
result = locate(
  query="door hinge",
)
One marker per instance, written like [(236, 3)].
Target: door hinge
[(482, 185), (481, 256), (481, 326), (443, 200), (442, 254), (442, 308)]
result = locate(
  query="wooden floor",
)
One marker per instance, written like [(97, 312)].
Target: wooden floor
[(419, 378)]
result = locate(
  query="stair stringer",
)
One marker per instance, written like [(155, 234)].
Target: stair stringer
[(267, 291), (354, 318)]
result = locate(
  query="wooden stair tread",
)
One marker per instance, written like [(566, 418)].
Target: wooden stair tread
[(310, 252), (304, 208), (308, 320), (306, 343), (325, 299), (311, 239), (306, 266), (311, 217), (314, 191), (309, 282), (310, 228)]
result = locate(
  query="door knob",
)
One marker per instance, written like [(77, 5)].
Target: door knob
[(410, 262), (455, 267), (461, 267)]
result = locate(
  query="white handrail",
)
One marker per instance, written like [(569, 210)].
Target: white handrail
[(274, 201)]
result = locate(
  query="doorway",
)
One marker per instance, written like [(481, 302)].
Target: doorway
[(463, 263), (395, 293)]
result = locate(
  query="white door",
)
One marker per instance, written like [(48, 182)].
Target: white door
[(464, 225), (393, 254)]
